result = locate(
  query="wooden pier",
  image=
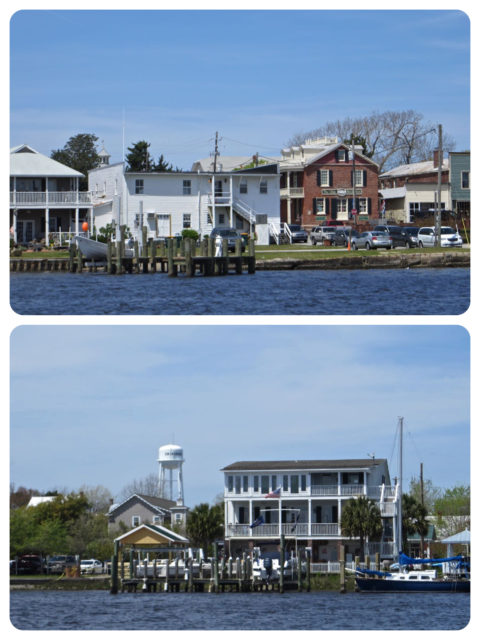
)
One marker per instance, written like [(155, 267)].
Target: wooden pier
[(220, 576), (168, 256)]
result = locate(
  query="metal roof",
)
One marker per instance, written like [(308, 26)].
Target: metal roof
[(303, 465), (26, 162), (416, 168)]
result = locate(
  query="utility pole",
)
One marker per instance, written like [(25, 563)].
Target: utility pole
[(438, 216), (354, 208), (215, 153)]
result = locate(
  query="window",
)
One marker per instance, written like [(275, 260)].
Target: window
[(359, 182), (285, 483), (156, 520), (342, 205), (263, 186), (341, 155), (221, 218), (265, 487), (238, 223), (303, 483), (294, 484), (238, 484), (230, 483), (324, 178), (274, 483), (320, 206), (255, 483), (139, 187), (362, 205), (178, 517), (465, 179), (187, 187), (243, 186), (135, 521), (241, 515), (187, 220), (245, 484)]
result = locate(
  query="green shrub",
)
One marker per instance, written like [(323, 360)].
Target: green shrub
[(190, 233)]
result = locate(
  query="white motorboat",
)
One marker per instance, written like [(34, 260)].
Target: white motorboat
[(94, 250)]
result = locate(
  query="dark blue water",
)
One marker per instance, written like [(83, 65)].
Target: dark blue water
[(372, 292), (95, 610)]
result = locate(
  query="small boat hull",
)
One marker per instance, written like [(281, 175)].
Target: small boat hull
[(384, 585), (94, 250)]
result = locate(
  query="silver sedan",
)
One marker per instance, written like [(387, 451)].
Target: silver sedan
[(372, 240)]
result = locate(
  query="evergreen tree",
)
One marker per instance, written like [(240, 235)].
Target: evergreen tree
[(139, 158), (414, 518), (205, 525), (79, 153)]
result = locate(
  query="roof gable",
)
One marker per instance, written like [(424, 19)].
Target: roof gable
[(26, 162), (150, 534), (157, 505)]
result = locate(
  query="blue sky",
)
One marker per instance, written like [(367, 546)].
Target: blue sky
[(256, 77), (92, 404)]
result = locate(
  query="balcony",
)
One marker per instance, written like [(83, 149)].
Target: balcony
[(293, 192), (220, 199), (50, 199), (273, 530)]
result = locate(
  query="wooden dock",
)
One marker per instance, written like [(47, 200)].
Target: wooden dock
[(169, 256)]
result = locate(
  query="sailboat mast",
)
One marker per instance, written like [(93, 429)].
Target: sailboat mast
[(400, 483)]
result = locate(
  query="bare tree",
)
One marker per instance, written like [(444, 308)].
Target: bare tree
[(98, 498), (392, 137), (147, 486)]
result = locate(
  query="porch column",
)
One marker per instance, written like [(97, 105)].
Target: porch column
[(76, 221), (279, 516), (309, 516), (214, 218), (231, 201), (289, 202), (47, 225), (339, 517), (250, 514), (15, 215)]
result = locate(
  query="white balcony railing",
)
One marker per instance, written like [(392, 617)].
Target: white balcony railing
[(54, 198), (273, 530), (220, 199), (293, 192)]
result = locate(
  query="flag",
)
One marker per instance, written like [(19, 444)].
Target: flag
[(257, 522), (382, 210), (274, 494), (295, 523)]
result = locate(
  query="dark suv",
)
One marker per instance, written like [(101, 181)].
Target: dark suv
[(27, 564), (342, 237), (400, 236), (58, 564)]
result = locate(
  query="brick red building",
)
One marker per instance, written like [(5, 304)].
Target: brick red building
[(317, 183)]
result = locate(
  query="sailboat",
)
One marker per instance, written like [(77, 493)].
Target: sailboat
[(409, 578)]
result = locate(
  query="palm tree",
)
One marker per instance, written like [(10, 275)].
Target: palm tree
[(414, 518), (205, 525), (361, 519)]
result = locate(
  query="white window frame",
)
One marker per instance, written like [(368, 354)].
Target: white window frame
[(317, 211), (341, 155), (136, 521), (363, 205), (323, 173), (342, 205), (139, 186), (187, 221), (243, 186), (157, 520), (263, 185), (358, 178), (178, 518), (187, 187)]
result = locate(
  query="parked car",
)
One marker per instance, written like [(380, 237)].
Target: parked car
[(91, 566), (58, 564), (297, 233), (319, 234), (230, 234), (400, 237), (342, 236), (413, 233), (372, 240), (448, 237), (29, 563)]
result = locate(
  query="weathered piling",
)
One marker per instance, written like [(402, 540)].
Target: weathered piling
[(342, 569), (282, 563)]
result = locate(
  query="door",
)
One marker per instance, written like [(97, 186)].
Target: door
[(163, 225), (25, 231)]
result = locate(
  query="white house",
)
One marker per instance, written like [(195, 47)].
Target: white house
[(168, 202), (44, 198), (305, 502)]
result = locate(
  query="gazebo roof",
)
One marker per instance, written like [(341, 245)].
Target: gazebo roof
[(152, 535), (463, 537)]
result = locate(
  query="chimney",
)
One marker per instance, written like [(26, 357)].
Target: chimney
[(436, 158)]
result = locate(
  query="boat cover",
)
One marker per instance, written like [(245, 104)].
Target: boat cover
[(404, 559)]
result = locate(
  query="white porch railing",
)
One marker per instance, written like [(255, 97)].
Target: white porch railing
[(388, 509), (221, 199), (325, 529), (57, 198), (293, 192), (274, 232), (61, 238), (290, 529)]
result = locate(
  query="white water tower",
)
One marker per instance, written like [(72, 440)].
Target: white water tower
[(170, 459)]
